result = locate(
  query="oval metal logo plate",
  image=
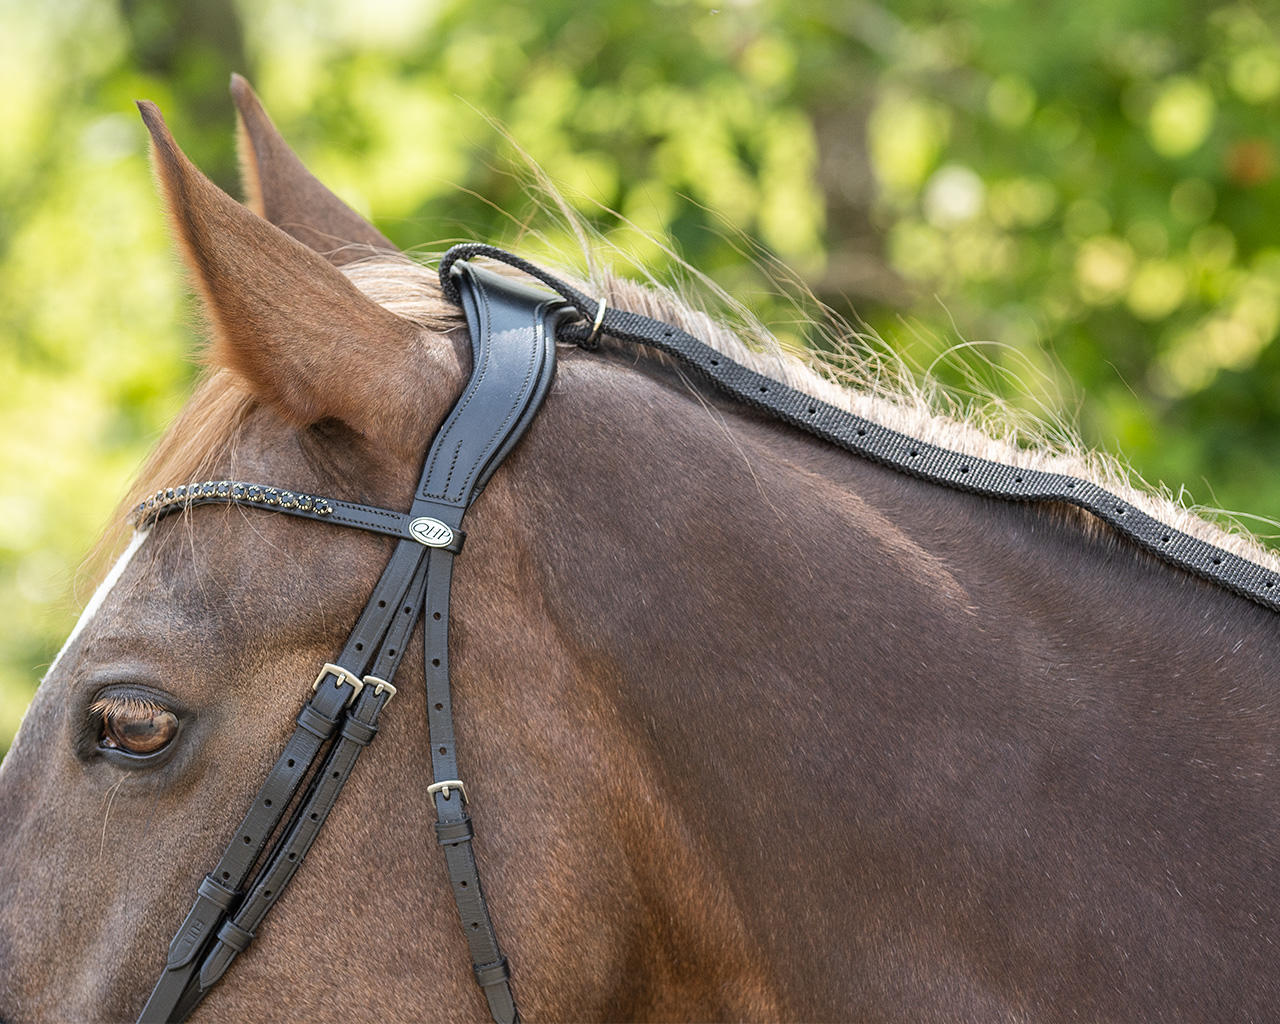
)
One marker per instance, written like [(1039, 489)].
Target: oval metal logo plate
[(431, 532)]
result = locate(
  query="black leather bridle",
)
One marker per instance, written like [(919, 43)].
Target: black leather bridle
[(513, 333)]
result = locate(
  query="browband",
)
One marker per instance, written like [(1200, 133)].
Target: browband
[(310, 506), (512, 331)]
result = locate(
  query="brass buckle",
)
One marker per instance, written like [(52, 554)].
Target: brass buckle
[(350, 678), (380, 686), (448, 784)]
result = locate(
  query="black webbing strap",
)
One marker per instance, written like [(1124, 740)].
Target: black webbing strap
[(513, 348), (888, 447)]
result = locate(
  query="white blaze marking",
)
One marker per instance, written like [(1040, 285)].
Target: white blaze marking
[(100, 595)]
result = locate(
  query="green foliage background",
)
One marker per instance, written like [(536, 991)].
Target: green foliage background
[(1085, 190)]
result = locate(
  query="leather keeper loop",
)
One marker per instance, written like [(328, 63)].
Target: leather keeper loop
[(359, 732), (234, 936), (320, 726), (451, 833), (495, 973), (211, 889)]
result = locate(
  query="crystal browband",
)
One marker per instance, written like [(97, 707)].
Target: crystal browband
[(170, 499), (426, 531)]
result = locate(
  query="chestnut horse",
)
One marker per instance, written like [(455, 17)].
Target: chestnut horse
[(752, 728)]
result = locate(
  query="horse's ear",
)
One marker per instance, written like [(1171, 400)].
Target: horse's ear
[(304, 337), (288, 195)]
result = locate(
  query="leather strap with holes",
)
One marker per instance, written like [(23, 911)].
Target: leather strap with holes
[(513, 349), (356, 733), (321, 716), (463, 458), (454, 829)]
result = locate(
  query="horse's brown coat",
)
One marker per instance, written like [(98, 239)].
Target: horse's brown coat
[(754, 730)]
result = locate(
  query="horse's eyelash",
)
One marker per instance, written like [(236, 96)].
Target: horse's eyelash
[(127, 706)]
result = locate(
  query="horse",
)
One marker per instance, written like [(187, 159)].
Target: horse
[(752, 729)]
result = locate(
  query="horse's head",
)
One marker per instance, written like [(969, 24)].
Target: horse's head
[(182, 679)]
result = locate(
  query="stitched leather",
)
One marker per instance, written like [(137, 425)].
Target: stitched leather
[(454, 827), (357, 731), (483, 425), (509, 381), (500, 318)]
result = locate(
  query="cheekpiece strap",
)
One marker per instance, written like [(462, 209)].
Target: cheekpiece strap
[(512, 330)]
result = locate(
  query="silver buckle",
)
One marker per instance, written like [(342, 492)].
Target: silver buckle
[(448, 784), (380, 686), (350, 678)]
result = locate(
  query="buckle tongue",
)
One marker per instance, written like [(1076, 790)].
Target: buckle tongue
[(380, 686)]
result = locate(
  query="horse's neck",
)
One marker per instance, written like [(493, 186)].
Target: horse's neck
[(828, 674), (672, 516)]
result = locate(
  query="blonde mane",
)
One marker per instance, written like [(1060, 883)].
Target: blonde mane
[(850, 379)]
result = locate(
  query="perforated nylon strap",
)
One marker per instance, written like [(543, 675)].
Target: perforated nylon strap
[(513, 351), (890, 448)]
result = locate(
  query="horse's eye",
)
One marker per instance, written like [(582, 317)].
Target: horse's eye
[(139, 727)]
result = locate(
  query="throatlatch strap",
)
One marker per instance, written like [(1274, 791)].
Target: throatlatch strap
[(454, 828), (888, 447), (513, 348)]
